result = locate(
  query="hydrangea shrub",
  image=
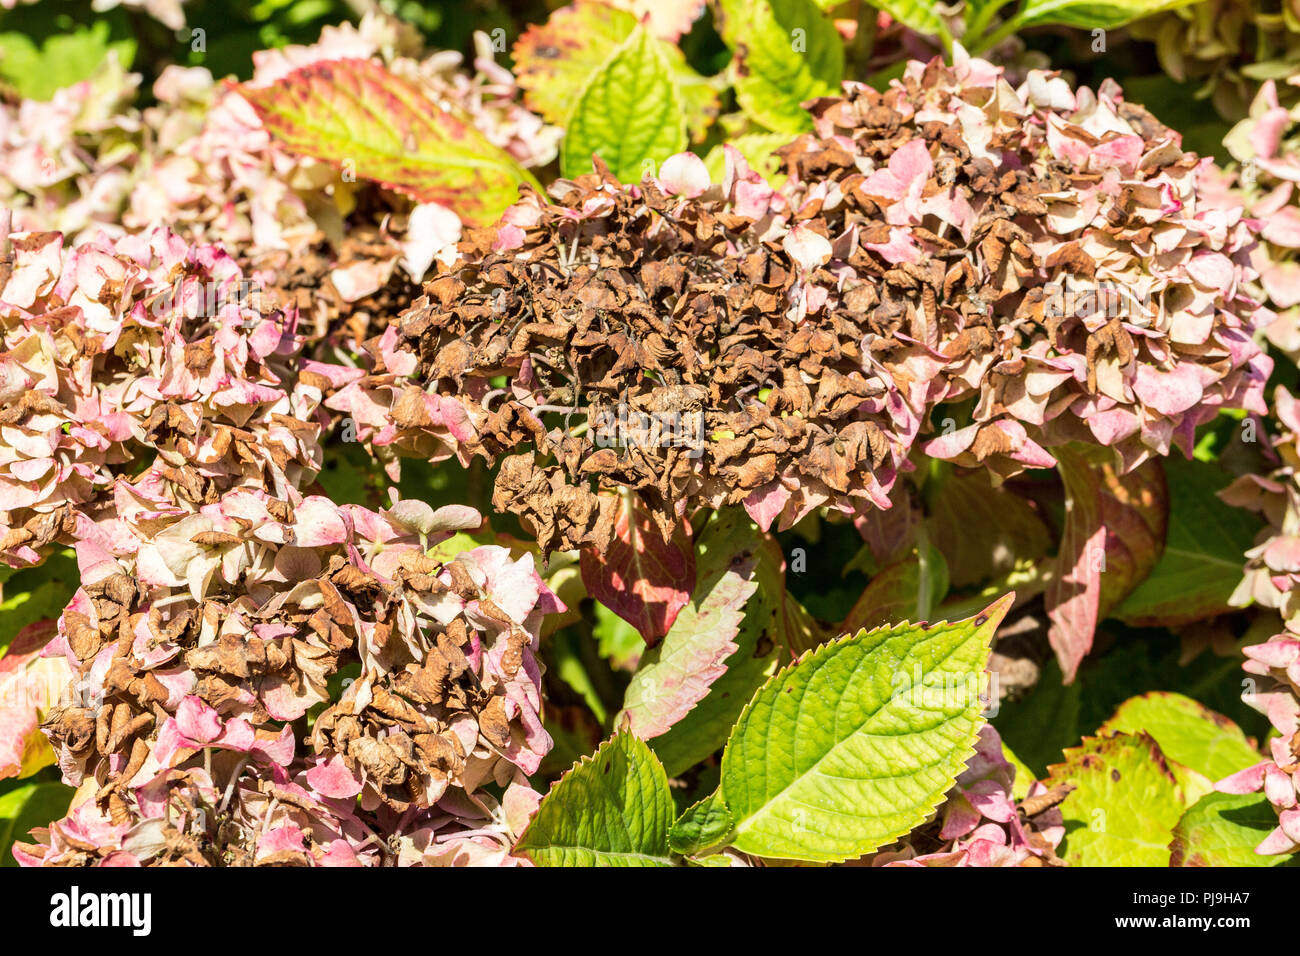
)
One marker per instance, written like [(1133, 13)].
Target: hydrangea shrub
[(408, 460)]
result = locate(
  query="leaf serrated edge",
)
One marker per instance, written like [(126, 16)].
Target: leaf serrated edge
[(563, 120), (703, 850), (518, 849), (665, 69), (995, 612)]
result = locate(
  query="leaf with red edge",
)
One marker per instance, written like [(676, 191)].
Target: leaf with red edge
[(677, 674), (642, 578), (356, 111), (1114, 534), (555, 60), (775, 629), (890, 533)]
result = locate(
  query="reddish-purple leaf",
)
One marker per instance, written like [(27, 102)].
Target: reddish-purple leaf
[(355, 114), (982, 530), (677, 674), (642, 578), (890, 532), (1113, 536)]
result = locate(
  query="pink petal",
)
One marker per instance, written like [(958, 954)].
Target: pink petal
[(1244, 781), (197, 721), (684, 174), (333, 779)]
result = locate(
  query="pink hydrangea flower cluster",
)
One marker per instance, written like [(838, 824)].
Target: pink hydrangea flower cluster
[(201, 163), (957, 267), (201, 643), (138, 373), (1272, 570), (1098, 294), (256, 676), (1276, 665), (1265, 145)]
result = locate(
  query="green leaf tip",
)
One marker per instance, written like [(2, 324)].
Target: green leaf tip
[(858, 742), (613, 808)]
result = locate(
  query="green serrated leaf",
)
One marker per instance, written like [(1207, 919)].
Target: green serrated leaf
[(787, 52), (1125, 804), (630, 113), (38, 68), (704, 825), (856, 744), (772, 618), (1187, 732), (1223, 829), (1089, 14), (611, 809), (357, 115), (1201, 563), (554, 62)]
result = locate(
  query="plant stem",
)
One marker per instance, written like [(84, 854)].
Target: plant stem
[(976, 26), (864, 39), (997, 36), (924, 575), (945, 38)]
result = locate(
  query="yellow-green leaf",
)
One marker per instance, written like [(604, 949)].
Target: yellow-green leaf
[(920, 15), (786, 52), (1089, 14), (629, 114), (1186, 731), (1125, 804), (613, 808), (703, 825), (555, 60), (857, 743), (1223, 829), (358, 116)]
